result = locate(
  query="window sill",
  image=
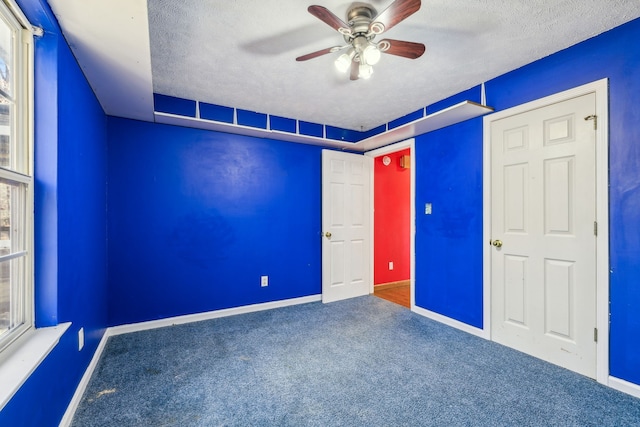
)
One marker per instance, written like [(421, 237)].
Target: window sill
[(31, 350)]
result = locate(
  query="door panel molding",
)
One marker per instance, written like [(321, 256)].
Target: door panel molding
[(600, 88)]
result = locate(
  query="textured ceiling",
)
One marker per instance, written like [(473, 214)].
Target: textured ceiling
[(242, 53)]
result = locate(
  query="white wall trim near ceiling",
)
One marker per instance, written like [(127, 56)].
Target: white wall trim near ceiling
[(456, 113)]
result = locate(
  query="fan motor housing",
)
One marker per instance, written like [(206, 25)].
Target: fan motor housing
[(359, 17)]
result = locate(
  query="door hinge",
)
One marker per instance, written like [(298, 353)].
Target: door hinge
[(595, 334), (595, 120), (595, 228)]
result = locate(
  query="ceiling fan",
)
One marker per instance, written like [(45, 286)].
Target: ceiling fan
[(363, 25)]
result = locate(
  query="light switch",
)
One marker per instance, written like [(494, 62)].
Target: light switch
[(427, 208)]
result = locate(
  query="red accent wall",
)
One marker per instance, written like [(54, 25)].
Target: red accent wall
[(392, 216)]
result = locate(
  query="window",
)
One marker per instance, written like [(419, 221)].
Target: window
[(16, 192)]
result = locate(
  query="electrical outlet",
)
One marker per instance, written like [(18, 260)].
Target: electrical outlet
[(264, 281), (390, 265), (427, 209), (80, 339)]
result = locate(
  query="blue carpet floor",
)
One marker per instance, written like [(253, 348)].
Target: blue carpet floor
[(360, 362)]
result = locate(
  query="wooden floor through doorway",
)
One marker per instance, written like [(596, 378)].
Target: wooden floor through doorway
[(396, 292)]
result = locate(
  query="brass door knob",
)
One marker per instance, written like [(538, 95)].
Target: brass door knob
[(327, 234), (497, 243)]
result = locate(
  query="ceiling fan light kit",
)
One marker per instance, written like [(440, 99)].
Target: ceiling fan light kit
[(370, 55), (365, 71), (344, 61), (363, 25)]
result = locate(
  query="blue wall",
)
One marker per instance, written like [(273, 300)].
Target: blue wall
[(449, 176), (196, 217), (70, 209), (612, 55), (82, 211)]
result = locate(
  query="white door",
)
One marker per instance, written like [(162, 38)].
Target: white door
[(543, 260), (346, 219)]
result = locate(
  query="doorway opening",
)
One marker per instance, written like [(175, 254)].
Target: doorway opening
[(393, 223)]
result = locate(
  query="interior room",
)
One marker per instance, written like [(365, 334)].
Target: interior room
[(174, 163)]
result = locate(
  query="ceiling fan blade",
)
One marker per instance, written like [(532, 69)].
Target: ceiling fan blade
[(397, 11), (323, 14), (405, 49), (355, 70), (319, 53)]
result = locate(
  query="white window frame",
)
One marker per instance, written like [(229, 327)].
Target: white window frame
[(29, 346), (22, 169)]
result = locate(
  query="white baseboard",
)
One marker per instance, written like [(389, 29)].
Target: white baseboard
[(77, 396), (613, 382), (451, 322), (188, 318), (143, 326), (624, 386)]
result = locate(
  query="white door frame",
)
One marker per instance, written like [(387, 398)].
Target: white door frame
[(601, 89), (409, 143)]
